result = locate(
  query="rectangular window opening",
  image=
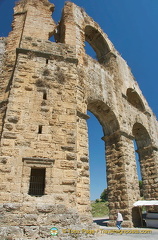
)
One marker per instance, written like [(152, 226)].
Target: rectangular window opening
[(37, 182), (40, 129), (46, 61), (44, 95)]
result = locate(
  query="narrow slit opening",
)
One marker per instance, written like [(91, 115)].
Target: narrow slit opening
[(39, 129), (44, 95)]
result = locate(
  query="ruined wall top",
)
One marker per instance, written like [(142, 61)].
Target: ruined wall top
[(37, 18), (2, 49)]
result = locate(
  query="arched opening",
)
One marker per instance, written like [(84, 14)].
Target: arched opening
[(143, 150), (138, 168), (98, 180), (137, 160), (105, 116), (134, 99), (141, 135), (97, 42), (108, 125), (90, 51)]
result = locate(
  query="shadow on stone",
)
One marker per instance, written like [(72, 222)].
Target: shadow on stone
[(101, 221)]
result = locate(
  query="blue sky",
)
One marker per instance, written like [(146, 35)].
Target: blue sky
[(132, 27)]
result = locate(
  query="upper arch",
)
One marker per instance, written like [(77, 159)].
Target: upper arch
[(141, 135), (105, 116), (97, 42), (134, 98)]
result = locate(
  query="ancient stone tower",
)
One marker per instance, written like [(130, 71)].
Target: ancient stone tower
[(46, 89)]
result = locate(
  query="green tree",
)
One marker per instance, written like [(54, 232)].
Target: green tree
[(104, 195), (141, 188)]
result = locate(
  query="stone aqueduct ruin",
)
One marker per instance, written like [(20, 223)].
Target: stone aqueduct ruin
[(46, 89)]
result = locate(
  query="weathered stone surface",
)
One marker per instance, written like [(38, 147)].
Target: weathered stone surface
[(2, 50), (84, 158), (32, 232), (46, 208), (46, 89), (11, 206), (29, 219), (9, 135), (11, 232), (68, 148), (70, 156)]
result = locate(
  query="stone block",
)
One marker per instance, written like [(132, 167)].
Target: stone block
[(71, 140), (84, 173), (3, 187), (13, 231), (68, 189), (84, 158), (70, 174), (9, 126), (57, 189), (68, 182), (48, 219), (13, 119), (12, 206), (9, 135), (31, 232), (67, 148), (70, 156), (5, 169), (61, 209), (11, 219), (29, 219), (46, 208), (68, 164), (29, 207), (59, 198), (3, 160), (16, 197), (44, 232)]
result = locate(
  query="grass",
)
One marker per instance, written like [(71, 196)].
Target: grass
[(100, 209)]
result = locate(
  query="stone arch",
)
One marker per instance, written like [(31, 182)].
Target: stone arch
[(97, 42), (146, 159), (111, 127), (141, 136), (134, 99), (117, 142), (105, 116)]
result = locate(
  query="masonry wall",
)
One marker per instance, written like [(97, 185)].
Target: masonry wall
[(2, 57), (2, 50)]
